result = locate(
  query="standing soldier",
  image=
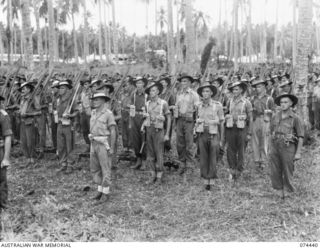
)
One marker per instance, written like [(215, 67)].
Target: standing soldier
[(210, 131), (157, 112), (53, 113), (85, 111), (263, 106), (5, 147), (138, 102), (102, 136), (185, 107), (287, 138), (29, 109), (285, 86), (238, 128), (64, 132), (316, 103)]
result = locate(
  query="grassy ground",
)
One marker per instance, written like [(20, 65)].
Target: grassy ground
[(46, 206)]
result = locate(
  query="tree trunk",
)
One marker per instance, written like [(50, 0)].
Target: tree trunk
[(9, 30), (147, 25), (27, 34), (249, 39), (100, 32), (106, 38), (63, 46), (294, 35), (301, 67), (178, 44), (236, 33), (114, 31), (1, 48), (189, 34), (170, 42), (275, 48), (39, 36), (156, 17), (74, 31), (85, 34), (51, 35)]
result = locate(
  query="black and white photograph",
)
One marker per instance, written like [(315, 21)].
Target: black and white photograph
[(159, 121)]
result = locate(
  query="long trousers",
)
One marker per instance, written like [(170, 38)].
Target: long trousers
[(235, 139), (85, 126), (42, 132), (27, 139), (100, 166), (64, 143), (136, 136), (209, 151), (125, 131), (3, 182), (259, 140), (317, 115), (281, 164), (155, 142), (185, 139), (54, 127)]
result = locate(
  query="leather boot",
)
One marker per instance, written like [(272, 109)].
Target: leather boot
[(138, 164), (152, 179), (97, 196)]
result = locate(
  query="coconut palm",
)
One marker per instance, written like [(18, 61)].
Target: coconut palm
[(170, 41), (51, 36), (25, 11), (190, 33), (36, 6)]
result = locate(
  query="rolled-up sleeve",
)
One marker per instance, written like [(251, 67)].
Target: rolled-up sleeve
[(298, 127)]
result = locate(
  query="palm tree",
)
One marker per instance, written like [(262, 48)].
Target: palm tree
[(190, 33), (1, 45), (235, 33), (52, 35), (302, 61), (74, 7), (86, 32), (27, 34), (294, 34), (36, 7), (275, 48), (170, 41), (114, 30)]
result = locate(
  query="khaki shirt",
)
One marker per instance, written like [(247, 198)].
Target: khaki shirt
[(156, 108), (211, 111), (86, 102), (290, 125), (261, 104), (240, 106), (187, 102), (100, 122)]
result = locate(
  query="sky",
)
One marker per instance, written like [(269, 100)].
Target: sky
[(132, 13)]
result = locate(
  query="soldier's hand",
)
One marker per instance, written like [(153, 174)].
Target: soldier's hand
[(166, 138), (5, 162), (297, 157)]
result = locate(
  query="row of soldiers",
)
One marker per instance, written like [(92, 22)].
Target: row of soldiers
[(218, 112)]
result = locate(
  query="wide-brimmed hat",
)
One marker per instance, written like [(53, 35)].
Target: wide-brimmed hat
[(219, 79), (55, 84), (285, 83), (95, 82), (152, 84), (258, 82), (29, 84), (185, 76), (100, 95), (67, 83), (166, 79), (293, 98), (107, 85), (85, 80), (138, 78), (206, 85), (243, 85)]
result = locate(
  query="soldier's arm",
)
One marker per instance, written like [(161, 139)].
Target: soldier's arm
[(250, 117), (168, 115), (112, 138), (7, 133)]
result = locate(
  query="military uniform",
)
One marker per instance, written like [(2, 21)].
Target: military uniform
[(85, 113), (4, 132), (285, 133), (262, 107), (185, 107), (210, 116), (125, 118), (100, 161), (239, 111)]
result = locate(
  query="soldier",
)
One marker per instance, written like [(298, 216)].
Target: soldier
[(85, 111), (95, 83), (185, 107), (29, 108), (138, 102), (263, 106), (53, 113), (287, 138), (5, 147), (64, 132), (157, 112), (285, 86), (238, 128), (210, 131), (316, 104), (102, 136)]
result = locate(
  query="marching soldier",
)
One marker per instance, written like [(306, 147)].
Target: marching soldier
[(64, 129), (210, 131), (29, 109), (103, 137), (157, 112), (138, 102), (238, 128), (262, 111), (287, 138), (186, 102), (5, 147)]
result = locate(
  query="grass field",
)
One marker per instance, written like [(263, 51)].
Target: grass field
[(46, 206)]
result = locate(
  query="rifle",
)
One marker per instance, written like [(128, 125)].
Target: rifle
[(224, 85), (119, 88), (75, 92), (11, 86)]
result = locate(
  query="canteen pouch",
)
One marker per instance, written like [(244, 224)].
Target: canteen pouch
[(159, 122), (147, 121), (132, 111), (213, 127), (55, 116), (241, 121), (229, 121), (266, 115), (175, 112), (200, 126)]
